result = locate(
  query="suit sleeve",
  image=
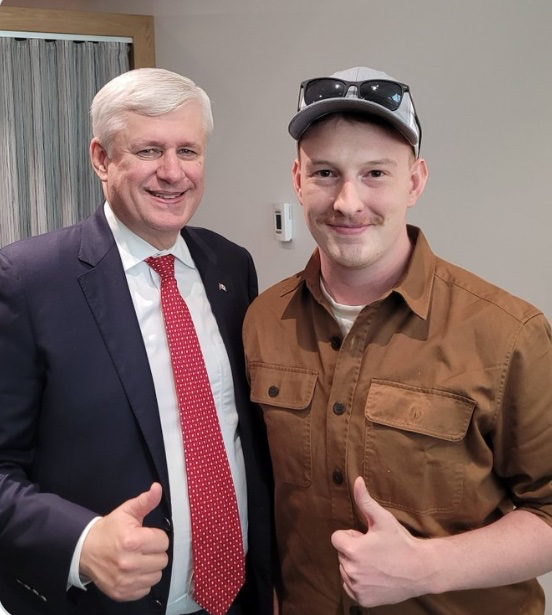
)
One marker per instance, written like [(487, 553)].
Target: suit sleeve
[(253, 280), (38, 531)]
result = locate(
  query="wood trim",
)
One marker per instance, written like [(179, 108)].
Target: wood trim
[(138, 27)]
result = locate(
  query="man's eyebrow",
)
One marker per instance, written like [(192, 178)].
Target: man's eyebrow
[(382, 162), (157, 143), (146, 143), (320, 161), (375, 162)]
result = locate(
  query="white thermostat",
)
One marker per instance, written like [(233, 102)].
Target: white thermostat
[(282, 222)]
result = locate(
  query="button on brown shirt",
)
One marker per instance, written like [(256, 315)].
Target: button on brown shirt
[(440, 396)]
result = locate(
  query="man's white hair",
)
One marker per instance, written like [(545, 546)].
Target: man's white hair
[(147, 91)]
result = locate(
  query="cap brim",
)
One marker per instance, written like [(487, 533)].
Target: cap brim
[(304, 118)]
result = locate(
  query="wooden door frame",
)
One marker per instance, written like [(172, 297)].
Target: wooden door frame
[(138, 27)]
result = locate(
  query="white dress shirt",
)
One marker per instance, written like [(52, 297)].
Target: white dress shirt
[(144, 285)]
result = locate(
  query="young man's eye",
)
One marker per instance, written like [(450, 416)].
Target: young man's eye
[(323, 173)]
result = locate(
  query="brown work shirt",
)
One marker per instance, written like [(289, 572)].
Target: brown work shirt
[(440, 396)]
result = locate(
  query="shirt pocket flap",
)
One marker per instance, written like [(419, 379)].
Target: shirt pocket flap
[(286, 387), (439, 414)]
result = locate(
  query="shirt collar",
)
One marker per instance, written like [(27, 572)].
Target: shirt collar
[(133, 249), (415, 286)]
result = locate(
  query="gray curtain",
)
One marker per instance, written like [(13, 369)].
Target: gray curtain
[(46, 88)]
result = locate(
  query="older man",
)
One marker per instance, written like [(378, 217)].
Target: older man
[(132, 471)]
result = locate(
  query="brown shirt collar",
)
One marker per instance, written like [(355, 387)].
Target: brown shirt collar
[(415, 286)]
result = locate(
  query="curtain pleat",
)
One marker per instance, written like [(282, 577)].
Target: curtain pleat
[(46, 87)]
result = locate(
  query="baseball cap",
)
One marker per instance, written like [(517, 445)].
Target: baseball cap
[(361, 90)]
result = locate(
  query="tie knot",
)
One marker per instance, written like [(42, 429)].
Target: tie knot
[(164, 265)]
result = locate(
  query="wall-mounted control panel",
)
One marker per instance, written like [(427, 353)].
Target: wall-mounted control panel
[(282, 222)]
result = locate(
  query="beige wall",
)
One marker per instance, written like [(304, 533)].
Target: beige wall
[(481, 76), (482, 83)]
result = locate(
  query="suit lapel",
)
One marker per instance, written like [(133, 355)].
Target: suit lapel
[(106, 291), (218, 284)]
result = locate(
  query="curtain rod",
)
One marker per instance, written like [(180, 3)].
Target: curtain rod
[(64, 37)]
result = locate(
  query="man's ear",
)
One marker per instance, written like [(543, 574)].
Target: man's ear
[(418, 179), (296, 174), (98, 158)]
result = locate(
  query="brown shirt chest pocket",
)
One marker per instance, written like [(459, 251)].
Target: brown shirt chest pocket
[(285, 396), (415, 458)]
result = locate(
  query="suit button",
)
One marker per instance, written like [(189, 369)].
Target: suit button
[(157, 606), (335, 343), (273, 391), (337, 477), (338, 408), (167, 525)]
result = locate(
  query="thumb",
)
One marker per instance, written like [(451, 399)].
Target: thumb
[(341, 538), (143, 504), (373, 512)]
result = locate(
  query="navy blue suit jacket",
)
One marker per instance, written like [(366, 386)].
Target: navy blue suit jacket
[(79, 425)]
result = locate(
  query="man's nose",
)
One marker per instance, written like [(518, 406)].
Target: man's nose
[(170, 167), (348, 200)]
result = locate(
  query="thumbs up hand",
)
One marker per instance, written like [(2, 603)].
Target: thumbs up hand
[(123, 558), (387, 564)]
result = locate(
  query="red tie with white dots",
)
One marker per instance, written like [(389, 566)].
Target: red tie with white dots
[(217, 547)]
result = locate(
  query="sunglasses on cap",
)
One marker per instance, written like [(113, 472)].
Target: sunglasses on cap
[(388, 94)]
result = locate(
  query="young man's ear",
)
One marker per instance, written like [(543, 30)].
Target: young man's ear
[(98, 157), (296, 174), (418, 179)]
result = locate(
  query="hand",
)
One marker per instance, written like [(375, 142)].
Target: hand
[(275, 603), (123, 558), (387, 564)]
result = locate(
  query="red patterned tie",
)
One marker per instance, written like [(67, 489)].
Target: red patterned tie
[(217, 547)]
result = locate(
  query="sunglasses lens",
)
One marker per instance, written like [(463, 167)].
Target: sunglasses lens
[(320, 89), (384, 93)]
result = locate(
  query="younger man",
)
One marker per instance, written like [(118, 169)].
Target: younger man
[(408, 402)]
